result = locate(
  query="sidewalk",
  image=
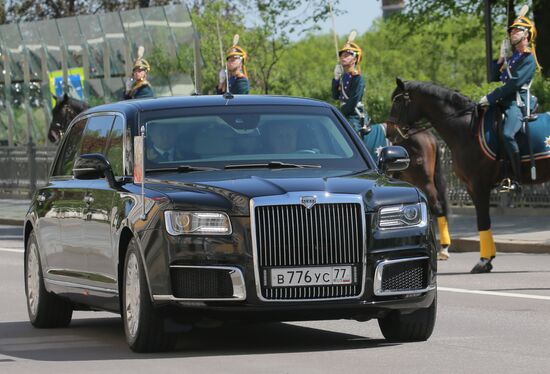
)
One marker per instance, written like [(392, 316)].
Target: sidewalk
[(519, 230)]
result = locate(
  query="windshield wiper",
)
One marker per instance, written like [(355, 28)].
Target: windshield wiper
[(270, 165), (181, 169)]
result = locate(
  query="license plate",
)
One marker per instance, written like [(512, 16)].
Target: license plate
[(311, 276)]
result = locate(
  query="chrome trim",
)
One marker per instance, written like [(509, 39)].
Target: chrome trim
[(168, 223), (80, 286), (377, 282), (237, 279), (294, 198), (422, 223)]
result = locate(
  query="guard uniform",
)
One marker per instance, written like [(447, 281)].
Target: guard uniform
[(516, 77), (348, 89), (238, 83), (142, 88)]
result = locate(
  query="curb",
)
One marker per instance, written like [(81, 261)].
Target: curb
[(11, 221), (472, 245)]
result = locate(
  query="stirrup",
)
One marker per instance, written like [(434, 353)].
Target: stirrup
[(509, 185)]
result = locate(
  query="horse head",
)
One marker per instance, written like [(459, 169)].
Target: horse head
[(64, 111), (404, 113)]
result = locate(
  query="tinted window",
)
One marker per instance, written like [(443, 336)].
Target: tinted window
[(242, 135), (115, 147), (96, 134), (65, 161)]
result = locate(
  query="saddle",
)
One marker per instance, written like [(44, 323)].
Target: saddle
[(490, 139)]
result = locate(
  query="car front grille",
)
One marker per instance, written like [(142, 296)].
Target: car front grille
[(292, 236)]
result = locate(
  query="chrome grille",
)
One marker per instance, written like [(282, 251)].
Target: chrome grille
[(294, 236)]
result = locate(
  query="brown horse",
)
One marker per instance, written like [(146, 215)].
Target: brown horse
[(452, 116), (425, 172), (65, 110)]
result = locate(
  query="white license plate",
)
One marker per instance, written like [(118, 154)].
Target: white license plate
[(311, 276)]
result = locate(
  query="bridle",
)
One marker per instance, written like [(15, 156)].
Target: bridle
[(405, 131)]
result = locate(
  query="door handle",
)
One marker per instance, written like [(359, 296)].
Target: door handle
[(88, 199)]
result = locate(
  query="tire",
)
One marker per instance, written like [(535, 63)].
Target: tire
[(143, 325), (414, 327), (46, 310)]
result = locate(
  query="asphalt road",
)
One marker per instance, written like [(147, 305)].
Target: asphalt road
[(488, 323)]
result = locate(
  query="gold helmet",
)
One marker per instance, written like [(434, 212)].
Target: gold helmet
[(524, 23), (353, 49), (142, 64), (239, 51)]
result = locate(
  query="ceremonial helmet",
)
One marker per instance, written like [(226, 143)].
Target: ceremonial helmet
[(524, 23), (353, 49), (141, 64), (239, 51)]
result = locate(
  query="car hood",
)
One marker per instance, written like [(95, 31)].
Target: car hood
[(231, 190)]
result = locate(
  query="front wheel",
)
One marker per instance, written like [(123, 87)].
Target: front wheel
[(45, 309), (413, 327), (143, 325)]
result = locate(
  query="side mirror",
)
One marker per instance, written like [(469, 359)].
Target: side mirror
[(393, 158), (94, 166)]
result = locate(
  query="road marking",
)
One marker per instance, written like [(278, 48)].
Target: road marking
[(495, 293), (11, 250)]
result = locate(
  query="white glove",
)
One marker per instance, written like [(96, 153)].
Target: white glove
[(221, 76), (504, 48), (338, 71), (483, 101), (129, 84)]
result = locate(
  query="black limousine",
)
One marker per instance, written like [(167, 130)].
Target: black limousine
[(174, 210)]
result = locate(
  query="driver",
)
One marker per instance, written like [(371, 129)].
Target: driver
[(516, 75)]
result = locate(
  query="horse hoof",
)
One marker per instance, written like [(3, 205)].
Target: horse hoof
[(443, 254), (483, 266)]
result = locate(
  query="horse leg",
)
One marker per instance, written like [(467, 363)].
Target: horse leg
[(487, 249), (441, 210)]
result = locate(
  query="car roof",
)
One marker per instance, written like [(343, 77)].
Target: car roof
[(176, 102)]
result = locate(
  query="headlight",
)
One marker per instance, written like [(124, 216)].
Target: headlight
[(403, 216), (197, 223)]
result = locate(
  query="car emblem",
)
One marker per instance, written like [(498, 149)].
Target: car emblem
[(308, 201)]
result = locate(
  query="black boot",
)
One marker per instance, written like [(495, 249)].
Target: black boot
[(515, 162)]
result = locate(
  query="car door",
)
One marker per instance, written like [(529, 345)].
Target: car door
[(52, 207), (102, 266)]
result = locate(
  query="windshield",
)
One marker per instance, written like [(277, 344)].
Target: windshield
[(220, 137)]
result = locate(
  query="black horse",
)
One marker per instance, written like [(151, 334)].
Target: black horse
[(453, 116), (65, 110)]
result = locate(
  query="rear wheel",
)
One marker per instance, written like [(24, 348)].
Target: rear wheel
[(45, 309), (143, 324), (416, 326)]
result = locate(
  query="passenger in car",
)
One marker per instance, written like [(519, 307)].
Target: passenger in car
[(160, 144)]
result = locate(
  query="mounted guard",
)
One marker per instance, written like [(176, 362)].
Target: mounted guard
[(235, 68), (348, 86), (138, 87), (516, 73)]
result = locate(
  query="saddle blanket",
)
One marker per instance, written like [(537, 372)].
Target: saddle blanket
[(539, 131)]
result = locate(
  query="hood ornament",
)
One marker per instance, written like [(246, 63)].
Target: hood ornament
[(308, 201)]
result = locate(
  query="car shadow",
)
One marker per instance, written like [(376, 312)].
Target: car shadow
[(103, 339)]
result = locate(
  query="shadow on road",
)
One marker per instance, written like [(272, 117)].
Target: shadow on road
[(494, 272), (103, 339)]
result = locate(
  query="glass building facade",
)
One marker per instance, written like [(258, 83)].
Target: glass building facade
[(89, 57)]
